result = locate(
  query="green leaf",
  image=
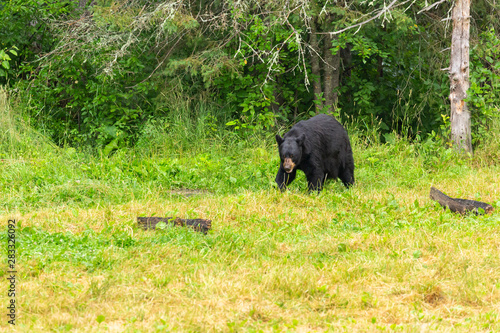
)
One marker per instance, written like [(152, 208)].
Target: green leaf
[(13, 52), (342, 247), (111, 146), (100, 318), (161, 225), (6, 64)]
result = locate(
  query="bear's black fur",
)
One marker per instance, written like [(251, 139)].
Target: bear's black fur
[(320, 148)]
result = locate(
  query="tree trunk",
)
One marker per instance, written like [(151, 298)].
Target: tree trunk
[(278, 99), (380, 67), (315, 68), (346, 56), (459, 77), (332, 71)]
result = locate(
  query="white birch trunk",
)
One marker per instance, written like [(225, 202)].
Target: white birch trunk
[(459, 77)]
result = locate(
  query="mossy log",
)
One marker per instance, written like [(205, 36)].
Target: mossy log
[(149, 223), (462, 206)]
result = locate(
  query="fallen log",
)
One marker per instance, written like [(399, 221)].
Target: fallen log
[(149, 223), (462, 206)]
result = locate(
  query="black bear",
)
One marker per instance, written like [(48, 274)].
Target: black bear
[(320, 148)]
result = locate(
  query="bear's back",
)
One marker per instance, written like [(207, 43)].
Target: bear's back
[(321, 125)]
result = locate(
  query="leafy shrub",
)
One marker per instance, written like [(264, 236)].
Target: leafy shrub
[(483, 98)]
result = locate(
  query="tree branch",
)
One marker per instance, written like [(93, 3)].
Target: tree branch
[(358, 25)]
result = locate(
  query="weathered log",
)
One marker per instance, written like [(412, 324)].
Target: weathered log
[(201, 225), (462, 206), (475, 205)]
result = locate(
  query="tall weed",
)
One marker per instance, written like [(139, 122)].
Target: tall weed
[(17, 138)]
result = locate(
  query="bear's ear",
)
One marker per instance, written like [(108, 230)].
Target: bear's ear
[(301, 139), (279, 139)]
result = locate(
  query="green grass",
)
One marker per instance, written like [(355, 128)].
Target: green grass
[(380, 256)]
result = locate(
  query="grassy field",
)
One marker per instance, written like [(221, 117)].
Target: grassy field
[(380, 256)]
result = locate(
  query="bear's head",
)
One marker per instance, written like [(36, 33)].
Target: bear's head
[(290, 151)]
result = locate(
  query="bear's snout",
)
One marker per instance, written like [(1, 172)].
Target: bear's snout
[(288, 165)]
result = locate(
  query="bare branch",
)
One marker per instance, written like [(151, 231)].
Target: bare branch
[(383, 11), (431, 6)]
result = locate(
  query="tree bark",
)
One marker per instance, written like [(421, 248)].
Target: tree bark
[(278, 98), (459, 77), (332, 71), (315, 68), (380, 67), (346, 56)]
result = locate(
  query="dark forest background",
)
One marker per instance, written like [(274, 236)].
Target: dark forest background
[(110, 74)]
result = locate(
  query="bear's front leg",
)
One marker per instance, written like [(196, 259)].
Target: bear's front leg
[(283, 178), (315, 181)]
